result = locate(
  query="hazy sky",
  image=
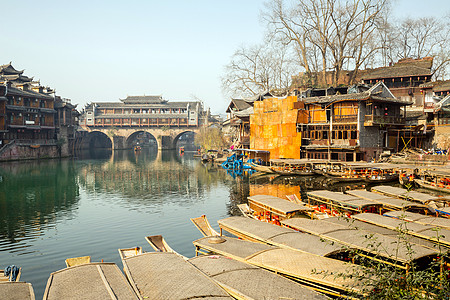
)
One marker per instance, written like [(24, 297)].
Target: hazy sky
[(93, 51)]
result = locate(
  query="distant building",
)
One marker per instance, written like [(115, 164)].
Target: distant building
[(27, 110), (142, 111)]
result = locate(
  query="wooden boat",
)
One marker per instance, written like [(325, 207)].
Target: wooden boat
[(316, 214), (292, 167), (274, 209), (89, 281), (70, 262), (440, 187), (245, 210), (306, 268), (408, 195), (427, 232), (159, 244), (243, 281), (390, 203), (166, 275), (4, 278), (262, 232), (204, 226), (16, 291), (335, 203), (387, 249), (381, 175), (129, 252), (420, 219), (260, 168)]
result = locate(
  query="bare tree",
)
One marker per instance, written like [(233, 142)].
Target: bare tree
[(256, 69)]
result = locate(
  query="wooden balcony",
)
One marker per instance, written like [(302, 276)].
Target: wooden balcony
[(345, 119), (371, 120)]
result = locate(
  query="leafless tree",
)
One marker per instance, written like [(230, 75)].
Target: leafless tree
[(259, 68)]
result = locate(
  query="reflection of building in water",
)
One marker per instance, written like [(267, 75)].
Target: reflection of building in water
[(32, 199), (152, 180)]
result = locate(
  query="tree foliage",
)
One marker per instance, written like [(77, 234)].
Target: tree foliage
[(209, 138)]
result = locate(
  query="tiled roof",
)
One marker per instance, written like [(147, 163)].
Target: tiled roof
[(239, 104), (442, 87), (28, 93), (144, 105), (403, 68), (9, 69), (143, 99)]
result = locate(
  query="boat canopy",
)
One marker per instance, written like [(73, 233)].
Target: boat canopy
[(423, 231), (386, 246), (166, 275), (16, 290), (387, 202), (342, 200), (93, 281), (251, 229), (418, 218), (405, 194), (277, 205), (247, 280), (302, 266)]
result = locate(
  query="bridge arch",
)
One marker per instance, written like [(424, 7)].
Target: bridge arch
[(141, 138), (96, 139), (177, 137)]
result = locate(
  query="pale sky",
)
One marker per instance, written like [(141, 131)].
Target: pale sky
[(92, 51)]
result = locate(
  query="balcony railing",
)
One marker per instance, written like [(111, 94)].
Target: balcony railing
[(383, 120), (345, 119)]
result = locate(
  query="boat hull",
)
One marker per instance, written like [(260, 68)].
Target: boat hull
[(426, 185)]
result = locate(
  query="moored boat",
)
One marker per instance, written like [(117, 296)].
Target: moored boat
[(380, 175), (260, 168)]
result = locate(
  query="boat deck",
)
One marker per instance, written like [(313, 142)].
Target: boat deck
[(258, 231), (16, 291), (386, 246), (427, 232), (89, 281), (164, 275), (239, 279), (308, 268)]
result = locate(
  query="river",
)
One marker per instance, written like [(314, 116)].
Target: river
[(101, 201)]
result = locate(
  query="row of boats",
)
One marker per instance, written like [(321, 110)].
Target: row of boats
[(373, 173), (293, 258)]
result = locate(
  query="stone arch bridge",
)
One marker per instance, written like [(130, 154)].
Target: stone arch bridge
[(120, 138)]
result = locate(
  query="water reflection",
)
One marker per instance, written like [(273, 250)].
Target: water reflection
[(33, 196), (148, 178)]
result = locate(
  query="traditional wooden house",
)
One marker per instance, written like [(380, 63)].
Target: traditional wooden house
[(26, 110), (357, 124), (237, 124), (403, 78)]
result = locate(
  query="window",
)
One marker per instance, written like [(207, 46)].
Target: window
[(339, 135), (325, 134), (333, 135), (344, 135), (353, 135)]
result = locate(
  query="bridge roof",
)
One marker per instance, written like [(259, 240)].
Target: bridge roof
[(139, 116), (180, 104)]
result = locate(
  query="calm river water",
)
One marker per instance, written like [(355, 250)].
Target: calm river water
[(55, 209)]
